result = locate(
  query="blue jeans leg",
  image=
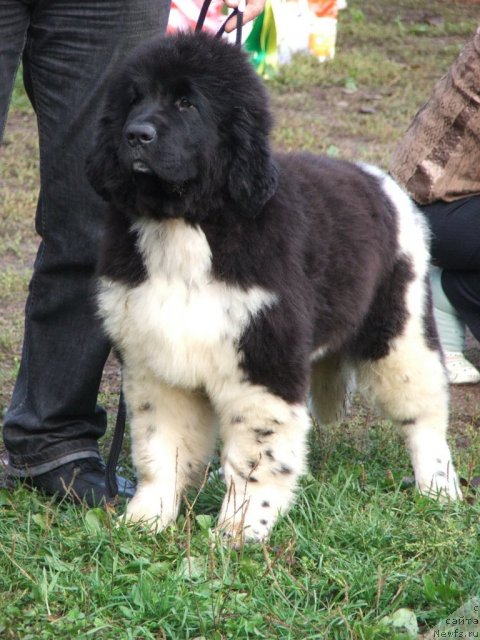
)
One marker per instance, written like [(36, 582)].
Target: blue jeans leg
[(14, 20), (69, 49)]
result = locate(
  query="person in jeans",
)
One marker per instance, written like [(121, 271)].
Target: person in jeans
[(438, 163), (68, 48)]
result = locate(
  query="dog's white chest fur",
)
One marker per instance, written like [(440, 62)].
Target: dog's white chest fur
[(180, 322)]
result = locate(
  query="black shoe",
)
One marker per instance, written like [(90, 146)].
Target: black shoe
[(82, 481)]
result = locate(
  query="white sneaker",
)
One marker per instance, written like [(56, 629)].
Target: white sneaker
[(459, 369)]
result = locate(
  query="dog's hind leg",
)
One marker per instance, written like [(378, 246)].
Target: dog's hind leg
[(173, 437), (263, 456), (401, 366), (410, 387), (331, 387)]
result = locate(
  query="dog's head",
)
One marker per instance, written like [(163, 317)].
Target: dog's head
[(184, 132)]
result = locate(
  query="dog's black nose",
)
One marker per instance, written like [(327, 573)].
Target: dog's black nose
[(141, 133)]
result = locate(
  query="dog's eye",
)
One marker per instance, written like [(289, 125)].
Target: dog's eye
[(183, 103)]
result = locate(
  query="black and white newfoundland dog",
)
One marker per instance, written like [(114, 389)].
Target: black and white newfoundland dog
[(235, 282)]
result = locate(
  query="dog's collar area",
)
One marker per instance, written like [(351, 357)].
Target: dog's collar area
[(178, 189), (238, 12), (146, 177)]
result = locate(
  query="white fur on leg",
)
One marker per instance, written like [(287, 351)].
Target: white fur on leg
[(432, 463), (410, 387), (263, 457), (173, 436)]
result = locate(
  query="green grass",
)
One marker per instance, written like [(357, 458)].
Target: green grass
[(356, 546), (19, 98)]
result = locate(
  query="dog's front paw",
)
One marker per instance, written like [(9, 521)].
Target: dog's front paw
[(439, 482), (250, 521), (238, 531), (151, 509)]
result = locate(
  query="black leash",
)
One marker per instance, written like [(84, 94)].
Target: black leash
[(111, 484), (238, 11)]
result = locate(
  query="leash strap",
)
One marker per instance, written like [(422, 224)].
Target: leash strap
[(238, 12), (111, 485)]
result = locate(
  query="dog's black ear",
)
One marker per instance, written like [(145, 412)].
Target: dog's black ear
[(253, 173), (101, 164)]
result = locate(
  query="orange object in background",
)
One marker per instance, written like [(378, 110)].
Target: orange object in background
[(324, 8), (323, 28)]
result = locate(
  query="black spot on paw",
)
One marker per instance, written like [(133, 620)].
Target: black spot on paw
[(263, 521), (284, 469), (263, 433), (269, 454), (146, 406), (408, 422), (238, 419), (265, 504), (151, 430)]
